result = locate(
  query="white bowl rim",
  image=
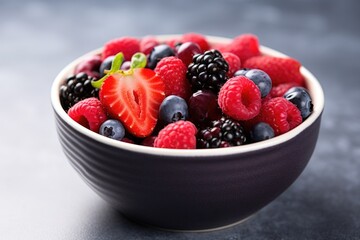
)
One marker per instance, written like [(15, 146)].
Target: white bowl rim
[(313, 85)]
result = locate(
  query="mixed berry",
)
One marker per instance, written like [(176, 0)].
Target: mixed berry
[(186, 93)]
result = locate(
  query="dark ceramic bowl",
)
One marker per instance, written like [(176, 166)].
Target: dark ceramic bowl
[(188, 189)]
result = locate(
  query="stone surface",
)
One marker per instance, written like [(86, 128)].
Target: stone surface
[(41, 196)]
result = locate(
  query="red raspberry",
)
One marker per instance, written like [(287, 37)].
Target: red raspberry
[(233, 61), (90, 66), (221, 47), (268, 97), (89, 113), (147, 44), (281, 89), (280, 70), (244, 46), (173, 72), (127, 45), (178, 135), (280, 114), (196, 38), (173, 42), (240, 98)]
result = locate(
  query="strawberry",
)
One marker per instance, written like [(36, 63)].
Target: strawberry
[(134, 98), (280, 69)]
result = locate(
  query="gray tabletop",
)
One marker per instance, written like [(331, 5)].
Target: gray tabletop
[(42, 197)]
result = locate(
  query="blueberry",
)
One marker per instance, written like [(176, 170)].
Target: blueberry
[(301, 98), (241, 72), (173, 109), (106, 65), (113, 129), (261, 79), (261, 132), (158, 53)]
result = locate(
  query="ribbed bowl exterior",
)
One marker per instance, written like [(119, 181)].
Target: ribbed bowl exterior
[(187, 193), (185, 190)]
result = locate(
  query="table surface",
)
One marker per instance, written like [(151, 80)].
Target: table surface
[(42, 197)]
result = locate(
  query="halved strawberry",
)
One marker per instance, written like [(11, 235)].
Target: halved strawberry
[(134, 99)]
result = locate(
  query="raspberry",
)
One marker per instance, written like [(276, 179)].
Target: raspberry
[(90, 66), (178, 135), (240, 98), (147, 44), (281, 89), (173, 42), (280, 114), (244, 46), (173, 73), (127, 45), (88, 113), (196, 38), (221, 47), (233, 62), (280, 70)]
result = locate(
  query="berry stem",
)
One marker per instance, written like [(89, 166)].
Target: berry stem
[(115, 66), (138, 60)]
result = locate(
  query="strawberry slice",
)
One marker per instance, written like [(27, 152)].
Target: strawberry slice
[(134, 99)]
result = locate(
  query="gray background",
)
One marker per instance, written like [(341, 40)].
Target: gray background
[(41, 196)]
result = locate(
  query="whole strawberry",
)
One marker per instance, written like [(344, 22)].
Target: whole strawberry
[(177, 135), (173, 73), (281, 70)]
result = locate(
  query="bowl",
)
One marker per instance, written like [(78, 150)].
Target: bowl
[(189, 190)]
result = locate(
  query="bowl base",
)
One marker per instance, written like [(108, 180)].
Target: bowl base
[(190, 230)]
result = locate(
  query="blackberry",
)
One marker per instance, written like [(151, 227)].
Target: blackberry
[(207, 71), (224, 132), (76, 88)]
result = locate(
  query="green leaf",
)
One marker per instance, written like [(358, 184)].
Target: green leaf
[(115, 66), (98, 83), (138, 60)]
